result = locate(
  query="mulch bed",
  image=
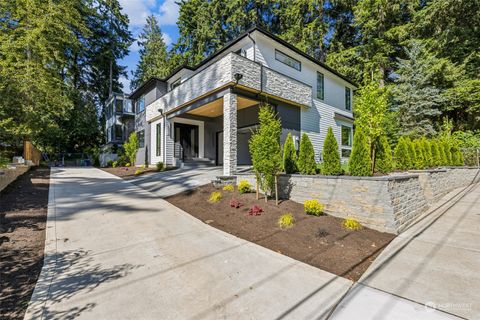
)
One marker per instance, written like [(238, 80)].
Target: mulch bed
[(319, 241), (23, 214), (128, 172)]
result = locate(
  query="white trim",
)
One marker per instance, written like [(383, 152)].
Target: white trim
[(201, 132), (153, 142)]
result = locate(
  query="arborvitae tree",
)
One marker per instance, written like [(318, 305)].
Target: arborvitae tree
[(402, 154), (427, 153), (331, 157), (436, 153), (411, 153), (442, 153), (384, 160), (448, 152), (153, 54), (306, 157), (454, 152), (289, 155), (419, 157), (360, 163), (131, 148)]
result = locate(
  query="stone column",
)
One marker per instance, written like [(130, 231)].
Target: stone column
[(229, 134)]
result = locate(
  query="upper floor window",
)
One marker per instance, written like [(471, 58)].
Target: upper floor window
[(141, 104), (118, 105), (289, 61), (348, 98), (320, 86), (175, 83)]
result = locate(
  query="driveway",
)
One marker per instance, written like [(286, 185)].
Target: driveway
[(168, 183), (116, 251), (435, 263)]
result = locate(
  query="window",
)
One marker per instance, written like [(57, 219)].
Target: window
[(320, 86), (141, 104), (346, 136), (346, 153), (141, 138), (118, 105), (175, 83), (118, 132), (289, 61), (159, 139), (348, 99)]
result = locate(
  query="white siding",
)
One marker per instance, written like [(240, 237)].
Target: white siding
[(153, 142)]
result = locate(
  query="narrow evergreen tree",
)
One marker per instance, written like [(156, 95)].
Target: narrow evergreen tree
[(427, 153), (360, 163), (411, 154), (331, 157), (419, 156), (289, 155), (436, 154), (383, 160), (306, 157), (442, 153), (402, 154)]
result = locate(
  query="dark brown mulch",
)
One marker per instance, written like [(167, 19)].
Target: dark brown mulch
[(23, 213), (319, 241), (128, 172)]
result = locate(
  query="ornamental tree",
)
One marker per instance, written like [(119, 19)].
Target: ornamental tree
[(331, 156), (384, 160), (360, 162), (402, 156), (131, 147), (289, 155), (306, 157)]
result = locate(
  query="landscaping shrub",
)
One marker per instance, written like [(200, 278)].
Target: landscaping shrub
[(215, 197), (360, 163), (115, 164), (127, 164), (419, 157), (131, 147), (255, 210), (138, 172), (286, 221), (442, 153), (427, 153), (244, 186), (351, 224), (436, 156), (289, 155), (234, 203), (160, 166), (448, 153), (331, 165), (383, 156), (306, 157), (411, 154), (457, 156), (402, 157), (228, 187), (313, 207), (110, 163)]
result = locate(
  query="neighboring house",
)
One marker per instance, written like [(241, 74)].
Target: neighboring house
[(207, 113)]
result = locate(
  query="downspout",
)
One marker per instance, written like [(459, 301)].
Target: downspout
[(255, 60)]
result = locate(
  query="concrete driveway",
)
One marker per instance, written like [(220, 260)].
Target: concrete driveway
[(435, 263), (168, 183), (116, 251)]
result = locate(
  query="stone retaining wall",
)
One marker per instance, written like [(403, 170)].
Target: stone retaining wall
[(388, 203), (9, 175)]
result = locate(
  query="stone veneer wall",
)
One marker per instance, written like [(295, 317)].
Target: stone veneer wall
[(388, 203), (9, 175)]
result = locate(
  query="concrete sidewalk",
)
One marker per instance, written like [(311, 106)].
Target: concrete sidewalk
[(434, 263), (116, 251)]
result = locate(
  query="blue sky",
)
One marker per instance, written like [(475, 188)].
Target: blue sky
[(166, 12)]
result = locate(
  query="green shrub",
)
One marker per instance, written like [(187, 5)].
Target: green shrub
[(289, 155), (436, 156), (443, 154), (419, 157), (412, 155), (448, 153), (160, 166), (131, 147), (244, 186), (457, 156), (138, 172), (215, 197), (306, 158), (360, 163), (115, 164), (402, 154), (313, 207), (351, 224), (331, 157), (383, 156), (228, 187), (127, 164), (286, 221), (427, 153), (110, 163)]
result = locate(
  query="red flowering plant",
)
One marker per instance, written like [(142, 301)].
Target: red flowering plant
[(234, 203), (255, 210)]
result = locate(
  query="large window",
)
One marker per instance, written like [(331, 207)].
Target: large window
[(289, 61), (348, 99), (118, 132), (159, 139), (346, 136), (320, 86), (118, 105), (141, 138), (141, 104)]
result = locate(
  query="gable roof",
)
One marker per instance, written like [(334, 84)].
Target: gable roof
[(231, 43)]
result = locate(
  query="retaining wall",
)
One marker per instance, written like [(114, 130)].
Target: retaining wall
[(387, 203), (9, 175)]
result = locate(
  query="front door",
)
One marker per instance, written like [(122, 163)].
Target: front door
[(187, 136)]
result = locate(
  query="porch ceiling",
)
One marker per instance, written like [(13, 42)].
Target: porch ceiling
[(215, 108)]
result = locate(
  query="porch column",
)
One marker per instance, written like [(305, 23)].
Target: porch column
[(229, 134)]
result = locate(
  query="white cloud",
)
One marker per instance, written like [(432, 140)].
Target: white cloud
[(168, 13), (167, 39), (137, 10), (126, 84)]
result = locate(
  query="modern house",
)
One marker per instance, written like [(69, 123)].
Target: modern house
[(207, 112)]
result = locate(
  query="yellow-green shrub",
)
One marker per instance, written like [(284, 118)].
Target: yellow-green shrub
[(352, 224), (138, 172), (313, 207), (244, 186), (286, 221), (215, 197), (228, 187)]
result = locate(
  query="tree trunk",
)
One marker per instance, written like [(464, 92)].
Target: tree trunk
[(276, 190), (258, 192), (373, 156)]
